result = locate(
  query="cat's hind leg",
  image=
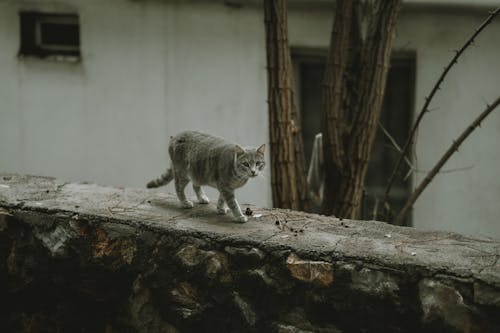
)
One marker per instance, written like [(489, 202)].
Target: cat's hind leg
[(181, 182), (221, 205), (200, 194)]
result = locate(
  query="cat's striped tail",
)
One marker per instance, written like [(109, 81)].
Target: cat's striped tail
[(164, 179)]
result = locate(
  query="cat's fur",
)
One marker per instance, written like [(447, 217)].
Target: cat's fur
[(204, 159)]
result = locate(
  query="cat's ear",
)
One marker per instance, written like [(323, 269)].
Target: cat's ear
[(262, 149), (239, 150)]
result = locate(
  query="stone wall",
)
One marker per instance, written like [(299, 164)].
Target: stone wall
[(87, 258)]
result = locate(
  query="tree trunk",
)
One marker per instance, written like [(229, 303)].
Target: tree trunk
[(352, 91), (288, 171)]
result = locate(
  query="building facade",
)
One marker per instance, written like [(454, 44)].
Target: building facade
[(137, 72)]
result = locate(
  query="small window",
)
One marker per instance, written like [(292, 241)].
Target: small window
[(46, 35)]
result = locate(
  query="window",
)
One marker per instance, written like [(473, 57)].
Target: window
[(396, 116), (46, 35)]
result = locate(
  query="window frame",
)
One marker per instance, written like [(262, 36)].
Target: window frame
[(31, 36), (302, 55)]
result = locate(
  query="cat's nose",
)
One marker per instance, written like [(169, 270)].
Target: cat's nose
[(254, 173)]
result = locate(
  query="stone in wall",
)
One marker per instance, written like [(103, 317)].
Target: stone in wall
[(444, 304), (318, 272)]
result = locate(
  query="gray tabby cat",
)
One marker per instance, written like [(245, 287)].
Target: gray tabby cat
[(208, 160)]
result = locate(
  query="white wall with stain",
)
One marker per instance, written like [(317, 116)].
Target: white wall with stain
[(150, 69)]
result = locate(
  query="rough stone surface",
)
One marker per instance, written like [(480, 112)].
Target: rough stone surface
[(88, 258), (443, 303), (375, 282), (486, 295), (311, 271)]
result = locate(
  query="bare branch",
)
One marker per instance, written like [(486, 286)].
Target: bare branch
[(448, 170), (442, 171), (428, 99), (352, 96), (288, 170), (453, 148), (394, 143)]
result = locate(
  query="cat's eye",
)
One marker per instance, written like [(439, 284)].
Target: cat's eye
[(246, 164)]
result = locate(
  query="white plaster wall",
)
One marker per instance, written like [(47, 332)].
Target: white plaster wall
[(153, 68), (464, 201), (150, 69)]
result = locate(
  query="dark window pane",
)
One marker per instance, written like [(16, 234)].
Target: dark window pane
[(395, 117), (59, 34), (311, 77)]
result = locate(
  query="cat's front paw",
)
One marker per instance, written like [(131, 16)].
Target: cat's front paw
[(241, 219), (204, 200), (187, 204), (222, 210)]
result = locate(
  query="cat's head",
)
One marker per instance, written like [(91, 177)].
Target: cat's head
[(249, 162)]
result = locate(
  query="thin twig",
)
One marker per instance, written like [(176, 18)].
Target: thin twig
[(428, 99), (394, 143), (453, 148), (442, 171), (410, 171), (447, 170)]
